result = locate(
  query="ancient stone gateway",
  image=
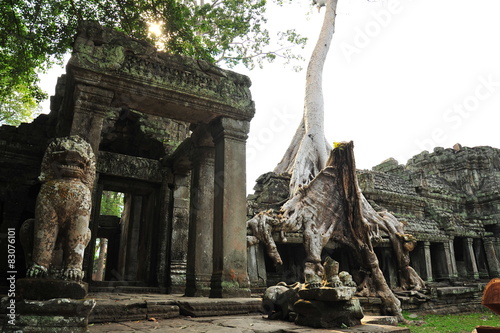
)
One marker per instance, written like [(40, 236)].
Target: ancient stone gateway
[(167, 131), (109, 77)]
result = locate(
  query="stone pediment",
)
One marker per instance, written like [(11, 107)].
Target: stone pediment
[(166, 85)]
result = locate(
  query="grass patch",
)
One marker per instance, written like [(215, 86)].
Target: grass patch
[(455, 323)]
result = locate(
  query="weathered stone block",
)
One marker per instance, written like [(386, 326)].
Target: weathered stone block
[(320, 314), (162, 309), (220, 307), (45, 289), (51, 321), (54, 315), (57, 307), (108, 311), (327, 294)]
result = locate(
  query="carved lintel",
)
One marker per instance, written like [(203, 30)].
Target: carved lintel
[(129, 167), (99, 50)]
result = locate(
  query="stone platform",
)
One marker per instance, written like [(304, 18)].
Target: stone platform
[(120, 312), (116, 307), (251, 323)]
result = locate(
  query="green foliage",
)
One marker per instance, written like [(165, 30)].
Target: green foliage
[(18, 107), (22, 54), (456, 323), (35, 34), (112, 203)]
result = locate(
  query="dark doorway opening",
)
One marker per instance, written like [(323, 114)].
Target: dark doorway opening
[(124, 245)]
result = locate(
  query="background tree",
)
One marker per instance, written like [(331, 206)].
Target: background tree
[(35, 34), (18, 107), (112, 203)]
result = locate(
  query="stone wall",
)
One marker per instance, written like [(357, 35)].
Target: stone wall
[(21, 152), (132, 146), (456, 210), (133, 143), (448, 199)]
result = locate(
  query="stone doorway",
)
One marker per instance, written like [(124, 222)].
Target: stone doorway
[(109, 233), (440, 264), (388, 264), (131, 254)]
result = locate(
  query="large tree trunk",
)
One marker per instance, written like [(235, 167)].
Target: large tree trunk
[(332, 207), (327, 204), (308, 151), (354, 229)]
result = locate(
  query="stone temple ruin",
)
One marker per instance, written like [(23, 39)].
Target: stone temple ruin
[(169, 133), (448, 200), (161, 127)]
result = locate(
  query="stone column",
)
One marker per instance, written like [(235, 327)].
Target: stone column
[(496, 241), (89, 110), (257, 273), (481, 260), (449, 259), (180, 227), (388, 265), (454, 270), (132, 245), (491, 257), (163, 229), (470, 259), (428, 261), (91, 106), (201, 214), (229, 277)]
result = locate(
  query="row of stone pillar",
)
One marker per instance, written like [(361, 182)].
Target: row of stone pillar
[(447, 256)]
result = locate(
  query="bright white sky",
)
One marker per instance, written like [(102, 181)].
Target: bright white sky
[(402, 76)]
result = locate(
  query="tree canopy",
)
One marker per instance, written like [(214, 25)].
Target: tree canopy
[(35, 34)]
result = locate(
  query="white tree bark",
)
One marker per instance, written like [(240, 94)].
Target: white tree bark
[(326, 203), (308, 151)]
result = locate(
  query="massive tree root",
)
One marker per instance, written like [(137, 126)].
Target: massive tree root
[(305, 157), (332, 207)]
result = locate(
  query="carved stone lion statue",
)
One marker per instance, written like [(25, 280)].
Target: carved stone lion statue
[(59, 233)]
